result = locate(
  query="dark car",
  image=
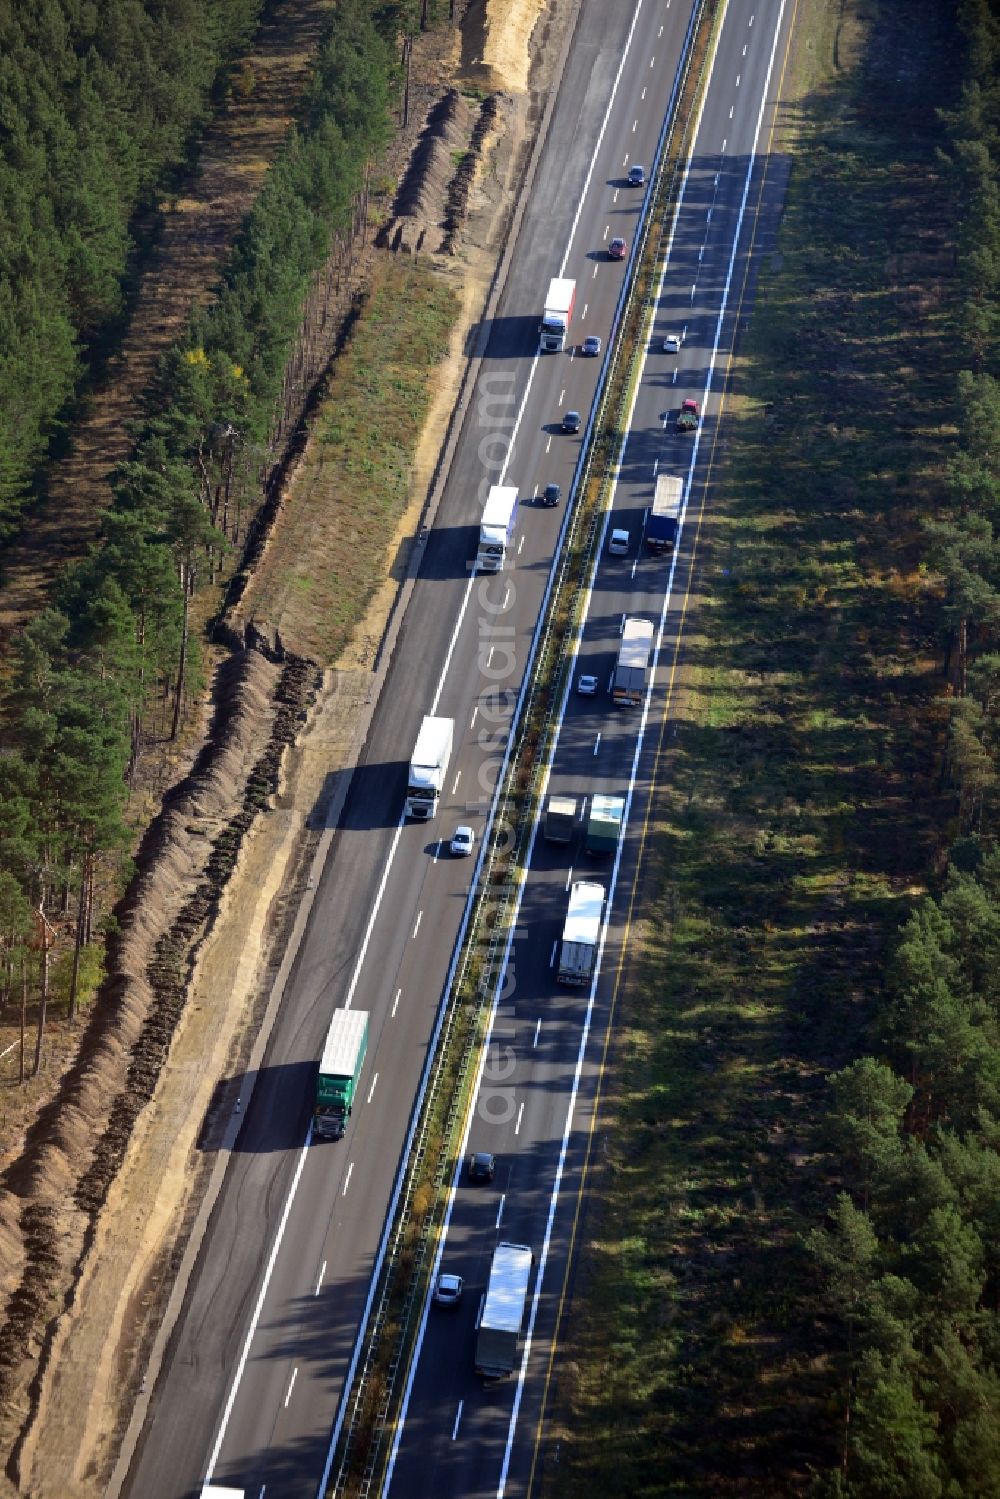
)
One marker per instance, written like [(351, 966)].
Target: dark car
[(550, 495), (591, 346), (571, 421), (636, 176), (617, 248), (482, 1166)]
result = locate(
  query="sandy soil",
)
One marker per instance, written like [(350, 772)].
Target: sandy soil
[(115, 1328)]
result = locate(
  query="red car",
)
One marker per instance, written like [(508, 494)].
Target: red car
[(617, 249)]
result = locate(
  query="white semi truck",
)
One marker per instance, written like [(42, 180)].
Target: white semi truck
[(557, 312), (428, 767), (499, 1328), (581, 933), (496, 530)]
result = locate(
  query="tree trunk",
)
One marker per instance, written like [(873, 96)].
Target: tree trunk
[(44, 1000), (24, 1014), (81, 907), (182, 663)]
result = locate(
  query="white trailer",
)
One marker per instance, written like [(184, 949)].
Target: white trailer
[(496, 530), (557, 312), (499, 1326), (661, 527), (581, 933), (628, 687), (428, 767)]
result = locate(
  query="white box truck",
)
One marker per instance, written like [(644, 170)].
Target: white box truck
[(557, 312), (628, 686), (428, 767), (496, 530), (499, 1328), (581, 933)]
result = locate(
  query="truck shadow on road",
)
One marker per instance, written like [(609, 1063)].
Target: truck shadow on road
[(277, 1119)]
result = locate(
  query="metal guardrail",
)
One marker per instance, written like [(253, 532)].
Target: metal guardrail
[(515, 809)]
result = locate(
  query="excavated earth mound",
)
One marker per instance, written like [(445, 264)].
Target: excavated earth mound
[(418, 221)]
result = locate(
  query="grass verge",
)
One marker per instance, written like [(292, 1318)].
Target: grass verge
[(328, 556), (798, 810)]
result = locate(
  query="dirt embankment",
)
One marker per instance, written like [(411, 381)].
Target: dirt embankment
[(95, 1215)]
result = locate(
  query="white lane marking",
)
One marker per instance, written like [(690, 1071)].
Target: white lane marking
[(597, 743), (521, 542), (458, 1417), (660, 32), (347, 1179), (371, 1091), (437, 850), (635, 126), (322, 1272), (615, 198), (652, 61), (594, 276), (708, 217), (416, 925), (738, 76), (599, 142), (503, 1199), (725, 143), (475, 711), (751, 20), (583, 314), (395, 1003), (656, 464), (375, 909), (251, 1330), (744, 49), (569, 877), (701, 254), (547, 446), (489, 658), (693, 289), (520, 1114), (674, 380), (562, 395), (607, 230), (635, 564), (538, 1027), (291, 1385), (643, 95), (455, 784), (552, 954), (731, 108), (506, 597)]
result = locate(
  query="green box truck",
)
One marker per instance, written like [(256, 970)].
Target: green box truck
[(339, 1070), (604, 824)]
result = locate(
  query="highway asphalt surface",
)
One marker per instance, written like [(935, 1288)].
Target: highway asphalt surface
[(535, 1108), (256, 1366)]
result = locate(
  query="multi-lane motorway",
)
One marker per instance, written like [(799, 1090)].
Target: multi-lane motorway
[(257, 1364), (456, 1437)]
